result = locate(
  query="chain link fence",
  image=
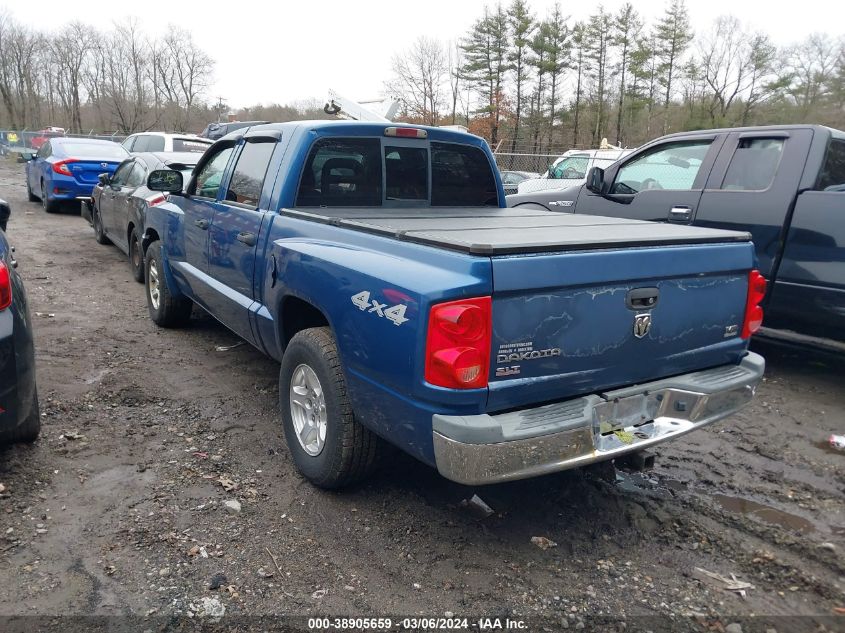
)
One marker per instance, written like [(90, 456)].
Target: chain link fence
[(24, 142), (533, 163)]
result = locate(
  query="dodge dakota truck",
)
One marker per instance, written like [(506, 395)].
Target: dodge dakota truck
[(379, 264), (783, 184)]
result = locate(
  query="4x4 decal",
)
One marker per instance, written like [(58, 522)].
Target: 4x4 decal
[(394, 314)]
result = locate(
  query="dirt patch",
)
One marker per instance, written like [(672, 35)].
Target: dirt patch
[(148, 433)]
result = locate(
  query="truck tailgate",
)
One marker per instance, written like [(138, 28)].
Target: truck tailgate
[(586, 321)]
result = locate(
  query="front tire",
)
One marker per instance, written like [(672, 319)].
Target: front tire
[(136, 256), (29, 195), (99, 231), (328, 445), (166, 310)]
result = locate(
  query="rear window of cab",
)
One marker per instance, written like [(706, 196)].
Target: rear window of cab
[(357, 172)]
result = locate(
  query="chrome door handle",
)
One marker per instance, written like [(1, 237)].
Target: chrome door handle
[(680, 214)]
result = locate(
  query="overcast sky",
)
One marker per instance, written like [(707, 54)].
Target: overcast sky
[(280, 52)]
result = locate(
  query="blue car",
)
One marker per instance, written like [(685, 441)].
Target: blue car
[(67, 169), (20, 420)]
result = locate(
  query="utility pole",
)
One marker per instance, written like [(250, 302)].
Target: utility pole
[(219, 108)]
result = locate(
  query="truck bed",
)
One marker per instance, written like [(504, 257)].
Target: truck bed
[(494, 231)]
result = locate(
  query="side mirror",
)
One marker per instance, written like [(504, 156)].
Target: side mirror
[(595, 180), (165, 180), (104, 179)]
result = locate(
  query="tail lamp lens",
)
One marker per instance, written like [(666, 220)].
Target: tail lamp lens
[(458, 344), (61, 167), (753, 310), (5, 286)]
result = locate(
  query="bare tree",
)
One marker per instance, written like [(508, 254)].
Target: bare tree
[(190, 70), (71, 48), (454, 62), (812, 65), (123, 78), (419, 76)]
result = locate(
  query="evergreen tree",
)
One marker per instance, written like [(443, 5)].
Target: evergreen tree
[(673, 34), (598, 34), (522, 25), (486, 65), (559, 51), (626, 30), (580, 64)]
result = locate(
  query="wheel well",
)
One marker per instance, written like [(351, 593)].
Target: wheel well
[(298, 315), (532, 205), (129, 230), (150, 236)]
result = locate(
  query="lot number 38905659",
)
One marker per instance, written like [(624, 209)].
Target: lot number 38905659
[(394, 314)]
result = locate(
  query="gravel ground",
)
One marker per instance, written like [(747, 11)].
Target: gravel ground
[(121, 506)]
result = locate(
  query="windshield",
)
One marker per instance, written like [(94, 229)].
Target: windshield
[(572, 168)]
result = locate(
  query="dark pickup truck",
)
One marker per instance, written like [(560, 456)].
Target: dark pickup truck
[(783, 184)]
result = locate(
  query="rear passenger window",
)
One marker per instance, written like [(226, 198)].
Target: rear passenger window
[(342, 173), (666, 166), (141, 143), (461, 177), (832, 177), (754, 164), (154, 144), (248, 177), (136, 176)]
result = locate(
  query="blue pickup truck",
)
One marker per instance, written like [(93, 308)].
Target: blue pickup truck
[(405, 302)]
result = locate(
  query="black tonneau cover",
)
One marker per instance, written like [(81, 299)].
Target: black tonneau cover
[(494, 231)]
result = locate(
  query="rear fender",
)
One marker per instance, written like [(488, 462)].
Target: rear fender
[(375, 294)]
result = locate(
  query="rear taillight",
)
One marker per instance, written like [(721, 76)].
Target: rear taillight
[(5, 286), (753, 310), (156, 200), (61, 166), (457, 351)]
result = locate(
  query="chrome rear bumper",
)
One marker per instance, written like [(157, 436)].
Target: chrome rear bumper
[(483, 449)]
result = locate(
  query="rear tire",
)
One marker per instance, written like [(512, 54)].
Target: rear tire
[(328, 445), (97, 223), (166, 310), (29, 429), (136, 256), (50, 206)]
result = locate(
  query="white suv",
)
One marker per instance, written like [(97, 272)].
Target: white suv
[(163, 142), (571, 168)]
